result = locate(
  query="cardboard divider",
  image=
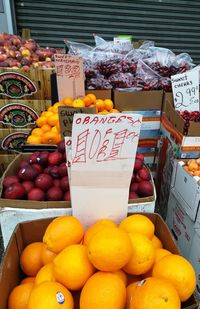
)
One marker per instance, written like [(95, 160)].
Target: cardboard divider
[(27, 232)]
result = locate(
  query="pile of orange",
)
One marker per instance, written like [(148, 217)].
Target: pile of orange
[(48, 127), (192, 166), (108, 266)]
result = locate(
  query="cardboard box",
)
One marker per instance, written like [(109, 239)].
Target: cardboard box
[(187, 189), (150, 120), (34, 84), (5, 160), (100, 94), (21, 113), (13, 139), (137, 101), (194, 258), (32, 231), (12, 170)]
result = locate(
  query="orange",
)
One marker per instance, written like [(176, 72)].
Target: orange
[(143, 255), (47, 255), (46, 127), (109, 249), (159, 254), (30, 259), (55, 107), (72, 267), (156, 242), (34, 140), (92, 96), (138, 223), (50, 109), (19, 297), (27, 280), (41, 121), (103, 290), (52, 120), (100, 105), (68, 101), (93, 229), (121, 275), (62, 232), (44, 114), (54, 129), (50, 295), (193, 167), (87, 100), (37, 132), (130, 290), (78, 103), (114, 110), (51, 138), (108, 104), (179, 272), (45, 274), (104, 112), (197, 173), (153, 293)]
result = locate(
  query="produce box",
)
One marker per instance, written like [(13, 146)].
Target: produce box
[(5, 160), (32, 231), (21, 113), (13, 139), (32, 84), (12, 170)]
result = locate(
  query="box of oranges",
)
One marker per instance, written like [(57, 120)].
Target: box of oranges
[(54, 263)]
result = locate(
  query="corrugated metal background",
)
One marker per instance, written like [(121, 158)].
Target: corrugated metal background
[(170, 23)]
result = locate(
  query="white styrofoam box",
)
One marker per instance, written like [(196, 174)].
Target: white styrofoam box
[(180, 224), (194, 258), (187, 190), (142, 207)]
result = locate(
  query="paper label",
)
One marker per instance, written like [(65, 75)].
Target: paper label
[(102, 160), (70, 76), (185, 88)]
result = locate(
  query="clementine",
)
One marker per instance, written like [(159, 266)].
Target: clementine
[(30, 259)]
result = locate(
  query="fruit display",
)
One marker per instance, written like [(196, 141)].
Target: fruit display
[(42, 177), (121, 266), (48, 127), (141, 184), (188, 118), (114, 65), (16, 52), (192, 166)]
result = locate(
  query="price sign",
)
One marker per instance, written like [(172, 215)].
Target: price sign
[(102, 159), (185, 88), (70, 76)]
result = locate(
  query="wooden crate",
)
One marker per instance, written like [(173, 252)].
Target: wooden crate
[(21, 113), (12, 139), (17, 83)]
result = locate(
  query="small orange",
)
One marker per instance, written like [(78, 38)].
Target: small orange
[(109, 249), (34, 140), (92, 96), (50, 109), (37, 132), (121, 275), (47, 256), (62, 232), (156, 242), (130, 290), (50, 295), (87, 100), (30, 259), (104, 112), (197, 173), (78, 103), (20, 295), (50, 138), (100, 105), (44, 114), (54, 129), (96, 227), (45, 274), (193, 167), (114, 110), (55, 107), (72, 268), (108, 104), (191, 161), (138, 223), (68, 101), (179, 272), (53, 120), (28, 279), (48, 114), (46, 128), (41, 121), (103, 290), (153, 293), (159, 254)]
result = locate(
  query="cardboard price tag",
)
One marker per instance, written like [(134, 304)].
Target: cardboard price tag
[(185, 88), (102, 159), (70, 76), (66, 115)]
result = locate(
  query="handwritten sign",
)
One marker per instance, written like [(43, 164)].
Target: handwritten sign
[(102, 159), (185, 88), (66, 115), (70, 76)]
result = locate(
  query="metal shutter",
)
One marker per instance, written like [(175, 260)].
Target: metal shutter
[(174, 24)]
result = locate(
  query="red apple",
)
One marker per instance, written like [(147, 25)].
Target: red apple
[(28, 185), (145, 188), (134, 187), (9, 180), (54, 194), (62, 170), (64, 184), (133, 195), (67, 196), (55, 158), (14, 191), (144, 174), (36, 194), (43, 181), (138, 165)]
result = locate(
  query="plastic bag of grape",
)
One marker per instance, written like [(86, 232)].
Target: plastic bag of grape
[(111, 46)]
